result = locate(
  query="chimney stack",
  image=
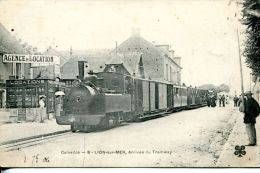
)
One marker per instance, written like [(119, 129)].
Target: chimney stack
[(163, 47), (177, 60), (171, 54), (136, 32)]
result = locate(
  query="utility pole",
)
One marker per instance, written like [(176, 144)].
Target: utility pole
[(239, 54), (241, 69)]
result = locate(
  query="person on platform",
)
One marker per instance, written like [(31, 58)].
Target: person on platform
[(223, 100), (251, 110), (235, 99), (208, 100), (42, 105), (239, 100), (213, 99), (219, 100)]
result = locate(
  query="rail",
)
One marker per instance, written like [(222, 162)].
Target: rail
[(31, 141)]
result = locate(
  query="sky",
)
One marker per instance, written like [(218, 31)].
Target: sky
[(202, 32)]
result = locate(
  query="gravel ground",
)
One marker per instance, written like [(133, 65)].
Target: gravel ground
[(191, 138), (239, 137), (13, 131)]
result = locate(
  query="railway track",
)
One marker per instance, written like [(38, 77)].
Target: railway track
[(31, 141), (37, 140)]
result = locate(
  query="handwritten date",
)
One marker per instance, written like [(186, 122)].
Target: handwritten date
[(37, 158)]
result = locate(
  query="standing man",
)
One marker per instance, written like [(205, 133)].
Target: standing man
[(219, 100), (252, 110), (42, 105), (223, 100), (235, 101)]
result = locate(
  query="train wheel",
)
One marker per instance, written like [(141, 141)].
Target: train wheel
[(72, 128), (104, 123), (86, 128), (137, 118)]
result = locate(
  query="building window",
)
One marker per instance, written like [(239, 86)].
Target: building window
[(170, 73), (167, 72)]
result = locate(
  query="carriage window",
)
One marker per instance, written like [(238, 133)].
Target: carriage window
[(185, 92), (177, 91), (128, 85)]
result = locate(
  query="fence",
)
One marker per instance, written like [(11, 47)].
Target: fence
[(15, 115)]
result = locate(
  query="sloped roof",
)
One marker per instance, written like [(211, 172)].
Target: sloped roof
[(69, 70), (8, 43), (152, 56), (138, 44), (84, 53)]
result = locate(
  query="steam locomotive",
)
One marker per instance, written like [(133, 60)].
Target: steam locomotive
[(104, 100)]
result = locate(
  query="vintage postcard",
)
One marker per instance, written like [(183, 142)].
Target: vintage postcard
[(125, 83)]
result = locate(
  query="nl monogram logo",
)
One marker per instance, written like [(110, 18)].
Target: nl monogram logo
[(240, 151)]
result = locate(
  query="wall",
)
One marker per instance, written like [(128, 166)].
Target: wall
[(6, 69), (153, 67), (31, 115), (46, 72), (171, 74)]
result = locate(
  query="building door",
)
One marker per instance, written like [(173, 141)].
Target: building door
[(156, 96), (1, 99)]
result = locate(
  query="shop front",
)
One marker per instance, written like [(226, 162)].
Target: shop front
[(24, 96)]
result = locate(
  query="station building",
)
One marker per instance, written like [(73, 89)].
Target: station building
[(159, 60), (24, 78), (135, 56), (9, 44)]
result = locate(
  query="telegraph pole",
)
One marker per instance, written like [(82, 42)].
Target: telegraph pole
[(239, 51), (241, 69)]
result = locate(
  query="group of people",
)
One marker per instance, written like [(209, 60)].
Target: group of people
[(211, 101), (222, 100), (251, 110)]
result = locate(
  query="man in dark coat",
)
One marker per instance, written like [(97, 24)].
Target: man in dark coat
[(223, 100), (252, 110), (235, 101)]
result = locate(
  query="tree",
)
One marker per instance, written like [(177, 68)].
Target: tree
[(251, 18), (223, 87), (208, 87), (220, 88)]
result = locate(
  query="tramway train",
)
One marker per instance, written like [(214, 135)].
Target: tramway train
[(106, 99)]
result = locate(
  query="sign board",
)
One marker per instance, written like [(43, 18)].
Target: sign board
[(25, 82), (38, 59)]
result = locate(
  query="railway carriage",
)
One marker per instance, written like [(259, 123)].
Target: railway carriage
[(106, 99)]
